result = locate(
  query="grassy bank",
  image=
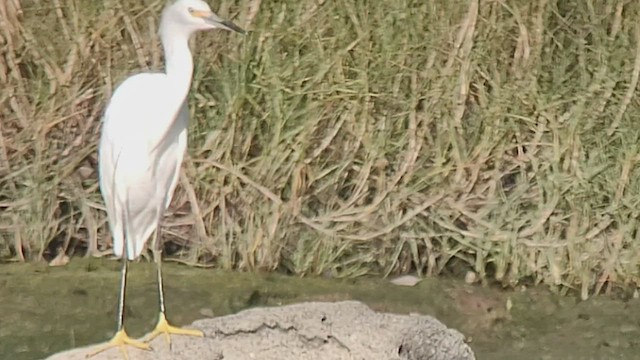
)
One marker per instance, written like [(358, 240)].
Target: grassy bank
[(347, 137)]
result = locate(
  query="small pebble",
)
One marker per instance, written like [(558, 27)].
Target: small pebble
[(470, 277), (61, 260), (406, 280), (628, 328), (207, 312)]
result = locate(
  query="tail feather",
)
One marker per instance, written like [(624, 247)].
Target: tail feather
[(120, 229)]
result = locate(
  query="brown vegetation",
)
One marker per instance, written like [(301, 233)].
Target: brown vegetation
[(347, 137)]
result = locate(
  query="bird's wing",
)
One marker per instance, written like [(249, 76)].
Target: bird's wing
[(179, 131), (140, 155)]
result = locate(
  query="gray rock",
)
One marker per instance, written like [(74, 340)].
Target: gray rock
[(306, 331)]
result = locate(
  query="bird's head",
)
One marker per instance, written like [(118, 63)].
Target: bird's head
[(196, 15)]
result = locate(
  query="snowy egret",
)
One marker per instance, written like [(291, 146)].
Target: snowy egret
[(144, 138)]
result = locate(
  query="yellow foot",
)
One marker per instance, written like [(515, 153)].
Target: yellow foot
[(163, 327), (121, 340)]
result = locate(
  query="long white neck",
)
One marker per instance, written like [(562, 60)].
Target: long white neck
[(178, 60)]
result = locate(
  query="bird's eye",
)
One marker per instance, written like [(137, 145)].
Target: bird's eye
[(190, 10)]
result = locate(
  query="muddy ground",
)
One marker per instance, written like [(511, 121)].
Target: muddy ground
[(44, 310)]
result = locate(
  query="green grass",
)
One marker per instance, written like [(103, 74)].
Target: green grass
[(348, 137)]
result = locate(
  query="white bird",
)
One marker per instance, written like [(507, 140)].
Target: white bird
[(144, 138)]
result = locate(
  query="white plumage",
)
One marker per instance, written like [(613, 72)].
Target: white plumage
[(143, 141), (141, 150), (144, 133)]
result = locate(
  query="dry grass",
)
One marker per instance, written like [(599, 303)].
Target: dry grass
[(348, 137)]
